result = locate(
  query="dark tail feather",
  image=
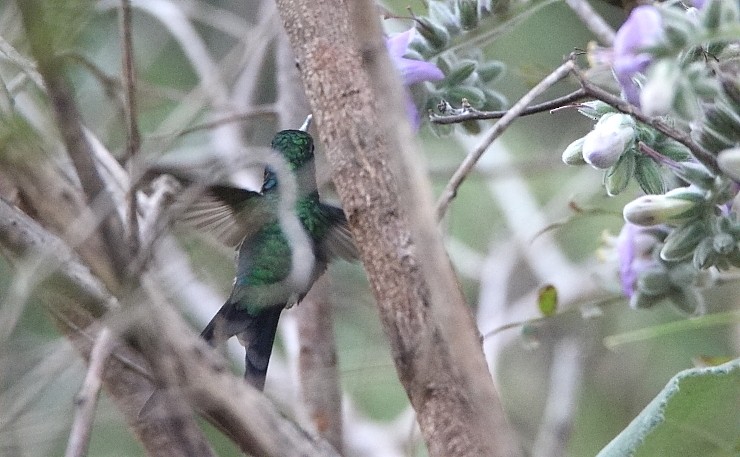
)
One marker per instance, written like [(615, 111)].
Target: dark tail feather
[(261, 336), (256, 332), (209, 333), (230, 320)]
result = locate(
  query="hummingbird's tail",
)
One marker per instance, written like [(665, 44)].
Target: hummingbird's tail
[(255, 331), (259, 346)]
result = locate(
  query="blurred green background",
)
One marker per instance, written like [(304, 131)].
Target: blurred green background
[(494, 239)]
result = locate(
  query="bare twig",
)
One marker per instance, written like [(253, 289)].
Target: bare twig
[(595, 23), (702, 155), (133, 138), (566, 372), (75, 296), (257, 111), (185, 363), (21, 236), (87, 398), (112, 85), (474, 114), (69, 122), (210, 387), (450, 190), (24, 64), (156, 216), (317, 363)]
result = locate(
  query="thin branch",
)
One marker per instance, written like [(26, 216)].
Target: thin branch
[(90, 337), (26, 65), (595, 23), (473, 114), (702, 155), (75, 296), (258, 111), (111, 85), (317, 363), (577, 306), (566, 374), (87, 400), (188, 366), (69, 123), (450, 190), (156, 216), (210, 386), (133, 138), (21, 237)]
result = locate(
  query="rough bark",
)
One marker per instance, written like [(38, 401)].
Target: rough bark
[(317, 358), (433, 339)]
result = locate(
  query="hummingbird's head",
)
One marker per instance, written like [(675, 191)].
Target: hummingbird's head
[(295, 145)]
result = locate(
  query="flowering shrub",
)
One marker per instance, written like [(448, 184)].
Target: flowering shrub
[(677, 64)]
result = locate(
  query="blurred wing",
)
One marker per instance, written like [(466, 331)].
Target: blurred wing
[(229, 214), (223, 206), (338, 241)]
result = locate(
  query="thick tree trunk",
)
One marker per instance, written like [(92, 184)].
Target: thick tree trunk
[(434, 342), (317, 357)]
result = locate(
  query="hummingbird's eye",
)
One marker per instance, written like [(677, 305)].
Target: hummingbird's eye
[(270, 180)]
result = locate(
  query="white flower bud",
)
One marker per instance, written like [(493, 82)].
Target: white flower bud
[(573, 154), (729, 162), (650, 210), (610, 137)]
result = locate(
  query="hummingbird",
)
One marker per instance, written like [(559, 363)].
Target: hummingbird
[(281, 250)]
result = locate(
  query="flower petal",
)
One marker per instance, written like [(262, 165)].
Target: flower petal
[(399, 43), (643, 28), (416, 71)]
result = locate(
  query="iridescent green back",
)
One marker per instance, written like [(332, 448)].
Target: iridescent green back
[(295, 145)]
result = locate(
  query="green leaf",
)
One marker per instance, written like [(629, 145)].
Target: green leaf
[(618, 176), (472, 127), (681, 242), (468, 11), (460, 72), (648, 175), (674, 150), (654, 281), (489, 71), (547, 300), (473, 95), (436, 35), (696, 414), (687, 300), (494, 100)]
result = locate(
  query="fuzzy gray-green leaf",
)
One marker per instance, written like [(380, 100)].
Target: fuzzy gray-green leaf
[(619, 175), (648, 176), (680, 243)]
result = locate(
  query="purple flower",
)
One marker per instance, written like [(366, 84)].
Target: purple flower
[(635, 250), (412, 71), (642, 29)]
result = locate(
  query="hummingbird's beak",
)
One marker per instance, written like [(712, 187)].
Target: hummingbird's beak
[(306, 123)]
